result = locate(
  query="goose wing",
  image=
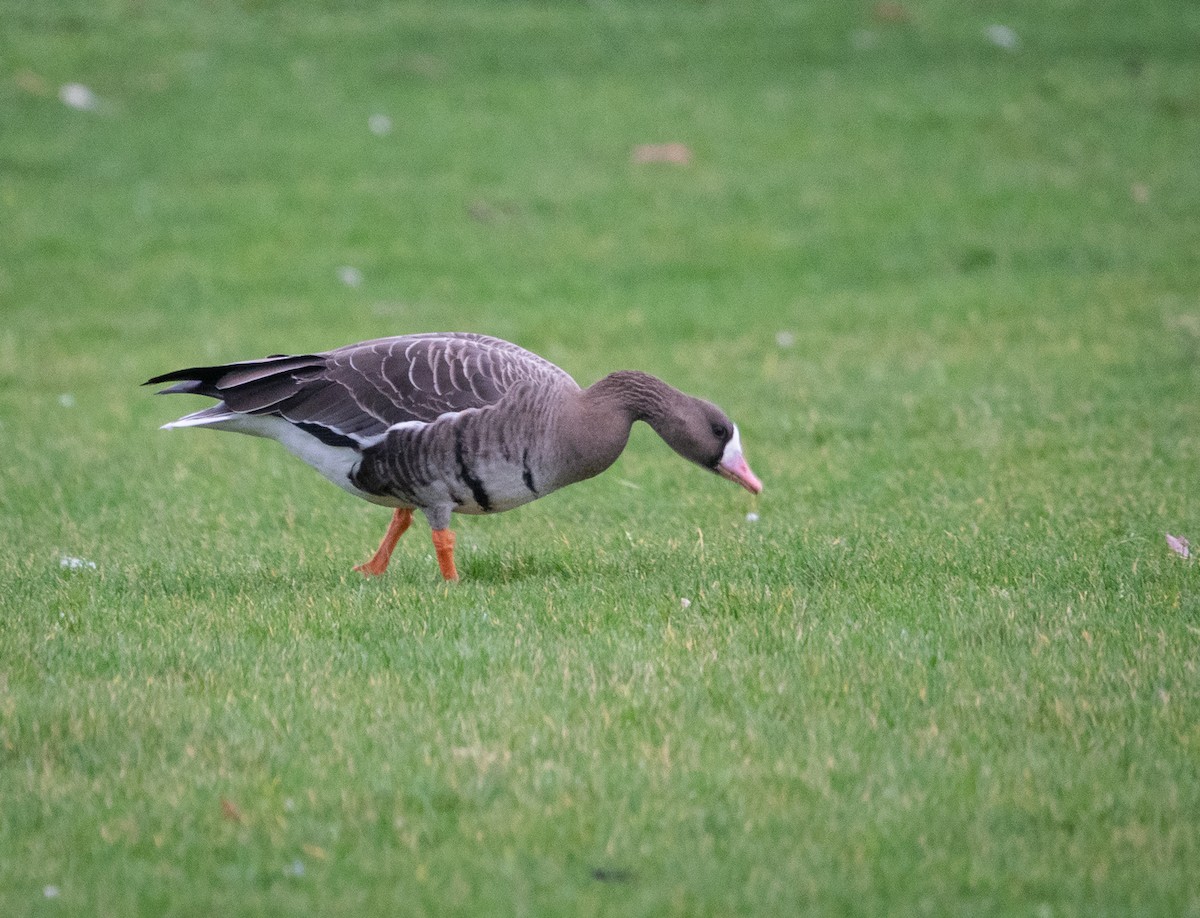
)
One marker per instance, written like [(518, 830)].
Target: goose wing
[(351, 396)]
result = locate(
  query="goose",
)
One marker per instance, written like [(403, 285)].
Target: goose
[(450, 422)]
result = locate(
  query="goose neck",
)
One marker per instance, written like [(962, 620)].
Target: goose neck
[(631, 393)]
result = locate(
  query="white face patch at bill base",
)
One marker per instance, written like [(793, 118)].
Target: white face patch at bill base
[(733, 449), (733, 466)]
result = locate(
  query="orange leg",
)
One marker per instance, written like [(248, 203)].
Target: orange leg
[(379, 561), (443, 543)]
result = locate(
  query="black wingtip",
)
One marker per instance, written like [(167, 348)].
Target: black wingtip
[(168, 377), (186, 386), (192, 380), (204, 380)]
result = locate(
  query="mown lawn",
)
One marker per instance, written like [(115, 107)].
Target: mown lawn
[(946, 279)]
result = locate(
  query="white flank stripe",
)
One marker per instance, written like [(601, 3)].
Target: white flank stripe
[(379, 438)]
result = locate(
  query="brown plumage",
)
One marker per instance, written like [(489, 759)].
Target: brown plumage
[(451, 423)]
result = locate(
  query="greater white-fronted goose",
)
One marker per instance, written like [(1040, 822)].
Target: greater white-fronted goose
[(451, 423)]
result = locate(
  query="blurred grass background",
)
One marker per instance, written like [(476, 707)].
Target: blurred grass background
[(943, 275)]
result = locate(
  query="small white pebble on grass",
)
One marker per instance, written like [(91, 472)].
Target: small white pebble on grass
[(751, 517), (67, 400), (350, 276), (380, 125), (785, 339), (1002, 37), (684, 602), (78, 97), (51, 891), (76, 564), (1179, 545), (863, 39)]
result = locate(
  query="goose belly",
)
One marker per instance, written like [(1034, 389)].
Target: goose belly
[(493, 486)]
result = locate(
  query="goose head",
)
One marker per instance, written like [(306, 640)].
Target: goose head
[(702, 433)]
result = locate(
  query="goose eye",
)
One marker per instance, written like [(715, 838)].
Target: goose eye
[(720, 432)]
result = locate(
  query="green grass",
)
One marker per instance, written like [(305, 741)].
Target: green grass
[(952, 670)]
